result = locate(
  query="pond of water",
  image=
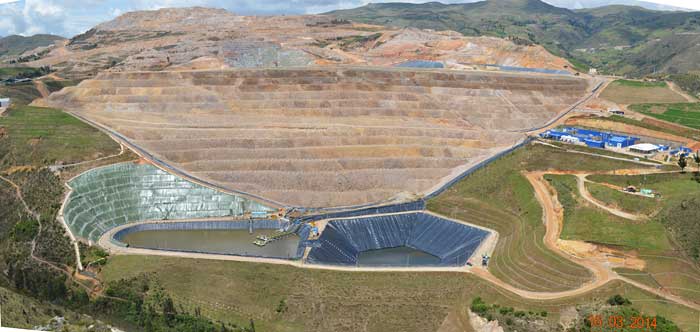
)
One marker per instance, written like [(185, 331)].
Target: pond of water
[(236, 242)]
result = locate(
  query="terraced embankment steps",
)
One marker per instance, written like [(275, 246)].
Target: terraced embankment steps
[(115, 195), (321, 137)]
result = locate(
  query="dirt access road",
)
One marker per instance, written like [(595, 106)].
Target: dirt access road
[(581, 181), (553, 219), (553, 215), (680, 91)]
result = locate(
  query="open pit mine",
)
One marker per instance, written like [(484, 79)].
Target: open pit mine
[(310, 111)]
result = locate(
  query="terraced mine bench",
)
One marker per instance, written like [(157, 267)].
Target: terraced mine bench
[(322, 136), (111, 196)]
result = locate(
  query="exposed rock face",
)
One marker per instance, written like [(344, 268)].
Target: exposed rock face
[(324, 136), (480, 324), (162, 39)]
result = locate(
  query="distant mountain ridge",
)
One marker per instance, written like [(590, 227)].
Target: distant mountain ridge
[(583, 4), (617, 39), (14, 45)]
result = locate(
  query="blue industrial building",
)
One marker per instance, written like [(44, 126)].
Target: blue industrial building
[(591, 138), (681, 151)]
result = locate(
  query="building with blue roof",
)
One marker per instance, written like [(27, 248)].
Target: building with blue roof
[(620, 142), (592, 138)]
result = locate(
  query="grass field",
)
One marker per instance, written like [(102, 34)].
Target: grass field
[(668, 267), (671, 186), (499, 197), (39, 136), (687, 114), (626, 202), (634, 92), (319, 300), (641, 84), (588, 223)]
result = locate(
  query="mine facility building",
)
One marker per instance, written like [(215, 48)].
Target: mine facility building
[(4, 102), (644, 148), (591, 138), (681, 151)]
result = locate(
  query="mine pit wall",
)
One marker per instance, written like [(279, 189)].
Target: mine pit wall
[(321, 137), (342, 240)]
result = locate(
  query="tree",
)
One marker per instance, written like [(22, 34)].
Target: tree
[(618, 300), (169, 310), (682, 163), (696, 159)]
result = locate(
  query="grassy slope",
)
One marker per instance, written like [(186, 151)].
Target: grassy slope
[(20, 94), (588, 223), (688, 82), (16, 45), (499, 197), (629, 92), (60, 134), (9, 72), (44, 135), (626, 202), (687, 114), (669, 267), (23, 312), (54, 86), (344, 301), (673, 187)]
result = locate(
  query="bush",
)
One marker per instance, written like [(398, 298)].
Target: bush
[(478, 306), (618, 300), (506, 310), (281, 307), (25, 230)]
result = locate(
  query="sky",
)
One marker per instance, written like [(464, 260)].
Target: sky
[(71, 17)]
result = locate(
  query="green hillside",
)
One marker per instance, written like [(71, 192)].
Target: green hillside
[(12, 46), (615, 39)]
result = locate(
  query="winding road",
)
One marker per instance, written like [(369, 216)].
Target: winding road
[(581, 181)]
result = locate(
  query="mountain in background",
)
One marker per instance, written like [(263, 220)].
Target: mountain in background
[(622, 40), (14, 45), (581, 4)]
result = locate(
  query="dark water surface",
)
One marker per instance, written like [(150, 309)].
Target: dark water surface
[(237, 242)]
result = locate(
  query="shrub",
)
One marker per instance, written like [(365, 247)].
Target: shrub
[(281, 307), (618, 300), (478, 306), (25, 230), (506, 310)]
